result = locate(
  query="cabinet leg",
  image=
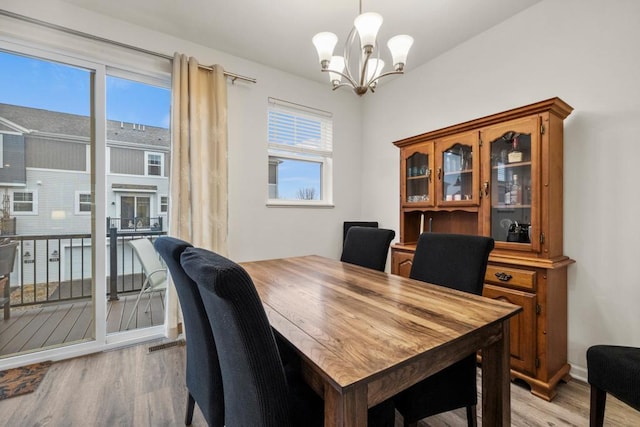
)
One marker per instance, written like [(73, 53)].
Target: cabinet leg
[(544, 389)]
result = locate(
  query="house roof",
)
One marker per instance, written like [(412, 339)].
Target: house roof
[(35, 120)]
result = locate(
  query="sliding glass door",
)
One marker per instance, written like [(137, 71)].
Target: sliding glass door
[(138, 143), (47, 187), (84, 161)]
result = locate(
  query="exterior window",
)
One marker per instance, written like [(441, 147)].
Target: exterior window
[(83, 203), (155, 164), (164, 204), (135, 212), (300, 147), (24, 203)]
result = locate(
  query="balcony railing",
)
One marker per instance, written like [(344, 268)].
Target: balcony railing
[(136, 223), (58, 268)]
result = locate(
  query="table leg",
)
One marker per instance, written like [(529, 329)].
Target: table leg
[(348, 409), (496, 382)]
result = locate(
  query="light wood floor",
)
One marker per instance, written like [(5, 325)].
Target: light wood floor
[(135, 387)]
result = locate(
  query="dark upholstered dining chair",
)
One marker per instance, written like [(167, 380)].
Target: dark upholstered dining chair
[(348, 224), (459, 262), (367, 247), (615, 370), (258, 390), (203, 376)]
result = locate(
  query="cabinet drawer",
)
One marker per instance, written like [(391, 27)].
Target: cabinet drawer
[(510, 277)]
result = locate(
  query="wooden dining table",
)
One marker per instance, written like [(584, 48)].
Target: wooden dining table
[(364, 336)]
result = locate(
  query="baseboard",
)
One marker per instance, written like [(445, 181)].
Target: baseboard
[(579, 373)]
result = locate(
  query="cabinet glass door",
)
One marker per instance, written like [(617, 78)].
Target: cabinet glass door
[(458, 170), (417, 171), (514, 217)]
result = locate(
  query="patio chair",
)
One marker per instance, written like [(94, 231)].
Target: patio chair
[(155, 273), (7, 258)]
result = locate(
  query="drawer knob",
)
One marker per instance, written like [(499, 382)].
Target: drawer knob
[(503, 277)]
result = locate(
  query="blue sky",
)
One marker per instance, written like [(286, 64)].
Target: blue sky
[(58, 87), (51, 86)]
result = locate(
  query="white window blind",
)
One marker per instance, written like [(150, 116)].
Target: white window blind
[(299, 129)]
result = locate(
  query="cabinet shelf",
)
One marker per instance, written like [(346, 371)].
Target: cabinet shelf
[(511, 165), (412, 178), (502, 206), (459, 172)]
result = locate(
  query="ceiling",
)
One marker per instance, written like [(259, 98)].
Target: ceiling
[(278, 33)]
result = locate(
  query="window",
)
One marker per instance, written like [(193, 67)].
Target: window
[(24, 203), (135, 212), (83, 203), (300, 150), (164, 205), (155, 164)]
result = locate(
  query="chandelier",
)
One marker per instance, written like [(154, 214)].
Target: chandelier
[(367, 60)]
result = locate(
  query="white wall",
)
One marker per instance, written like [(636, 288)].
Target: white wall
[(255, 231), (585, 52), (582, 51)]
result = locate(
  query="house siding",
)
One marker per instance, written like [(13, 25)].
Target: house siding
[(46, 153), (12, 170), (126, 161)]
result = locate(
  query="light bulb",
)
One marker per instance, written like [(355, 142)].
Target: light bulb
[(336, 64), (368, 25), (324, 43), (399, 47), (374, 68)]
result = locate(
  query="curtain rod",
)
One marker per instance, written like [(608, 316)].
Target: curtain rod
[(232, 76)]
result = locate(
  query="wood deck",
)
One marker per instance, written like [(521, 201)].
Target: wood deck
[(37, 327)]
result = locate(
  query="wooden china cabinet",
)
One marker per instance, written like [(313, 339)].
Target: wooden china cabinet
[(500, 176)]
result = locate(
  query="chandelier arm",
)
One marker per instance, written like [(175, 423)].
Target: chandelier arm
[(371, 82), (347, 56), (351, 81), (363, 72), (388, 73), (349, 85)]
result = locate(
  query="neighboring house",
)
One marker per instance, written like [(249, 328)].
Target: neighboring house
[(45, 186), (44, 171)]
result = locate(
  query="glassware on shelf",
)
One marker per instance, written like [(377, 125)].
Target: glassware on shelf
[(507, 193), (418, 198), (515, 155), (516, 191)]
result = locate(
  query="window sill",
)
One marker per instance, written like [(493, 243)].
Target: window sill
[(299, 204)]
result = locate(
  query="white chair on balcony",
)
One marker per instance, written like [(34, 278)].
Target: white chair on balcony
[(154, 271)]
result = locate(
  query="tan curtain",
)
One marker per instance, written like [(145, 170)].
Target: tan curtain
[(198, 199)]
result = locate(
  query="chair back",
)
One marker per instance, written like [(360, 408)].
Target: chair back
[(7, 257), (457, 261), (255, 390), (367, 247), (203, 377), (150, 261), (348, 224)]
